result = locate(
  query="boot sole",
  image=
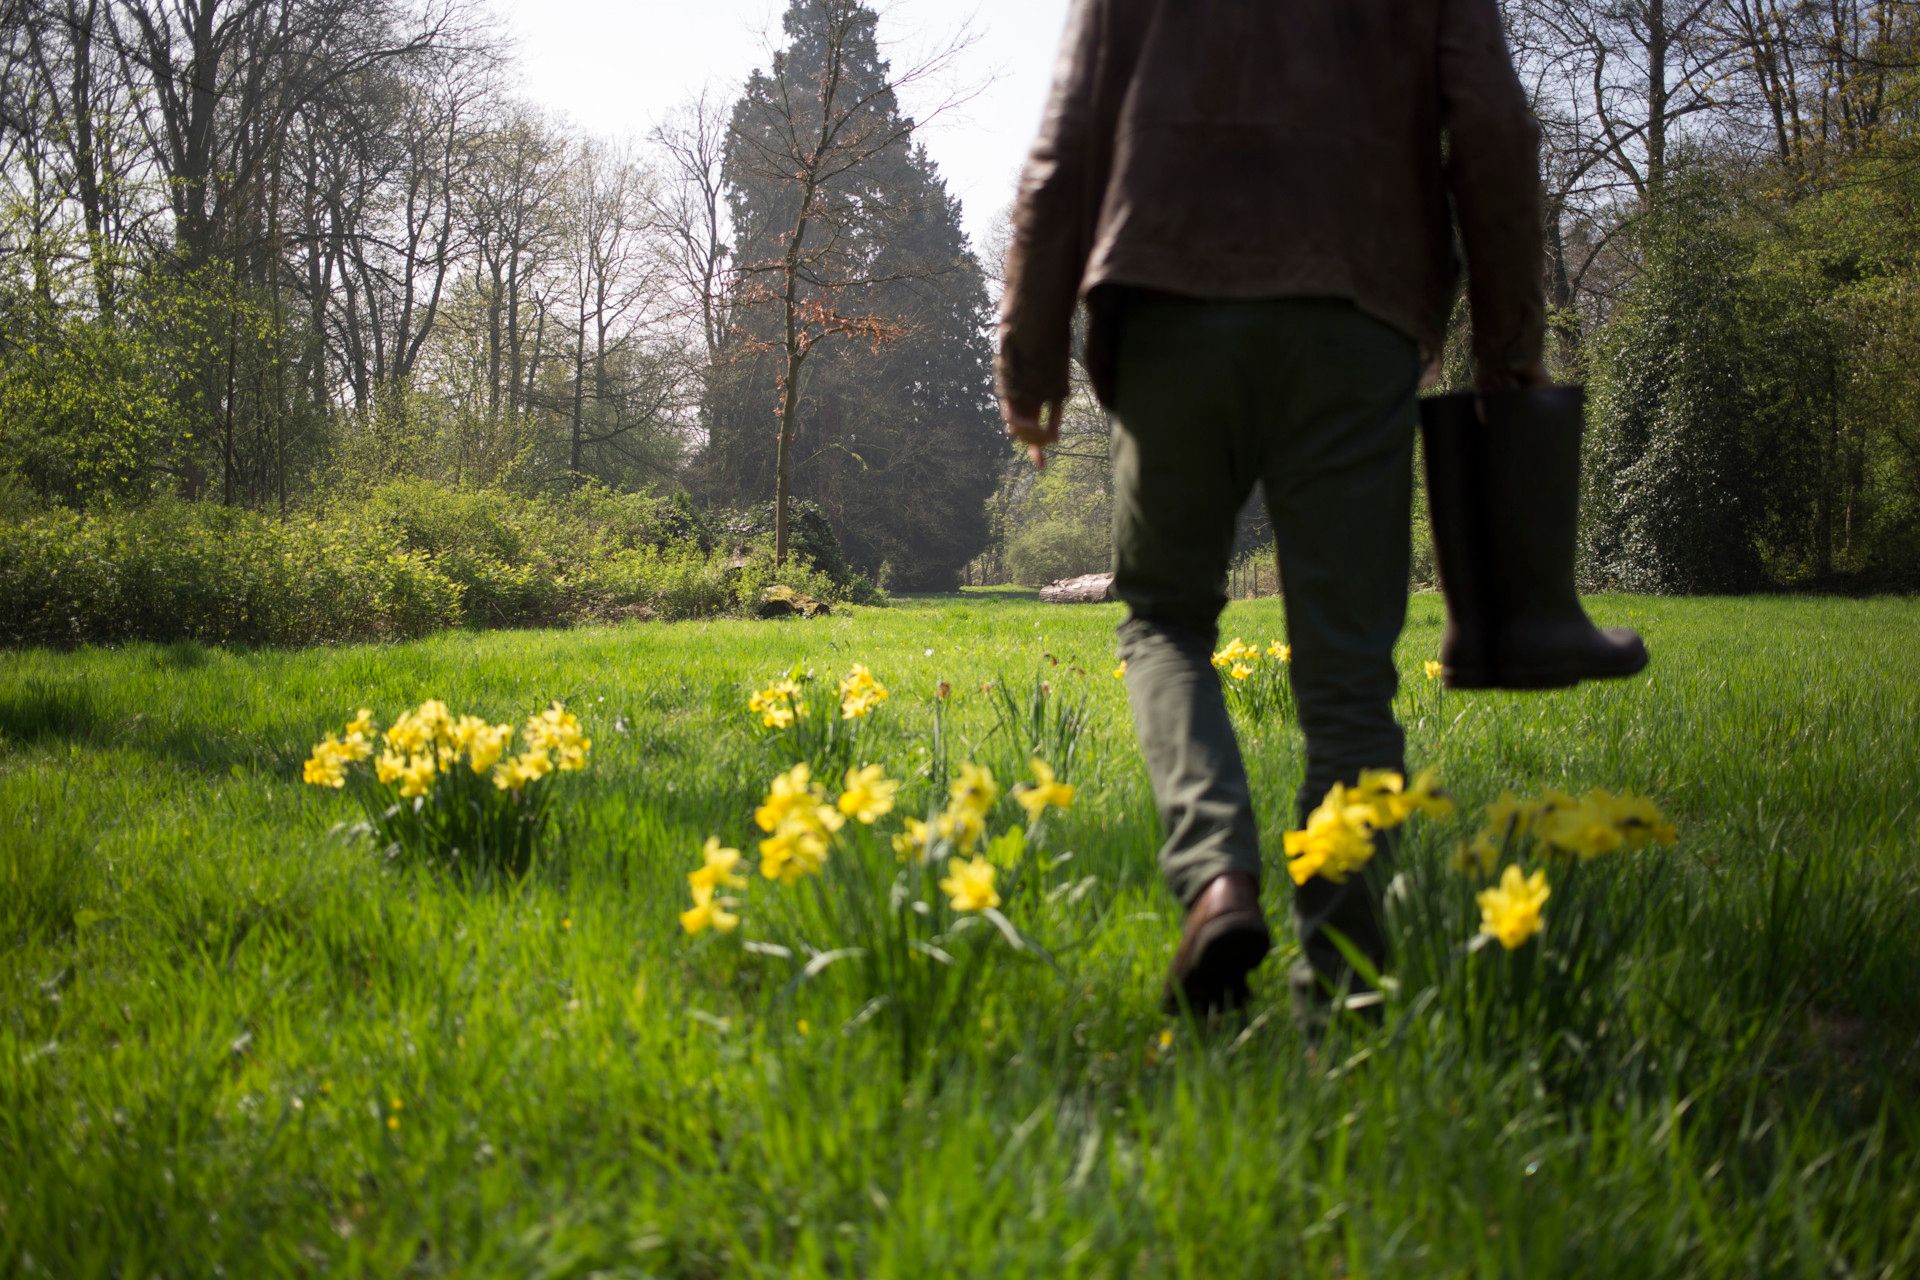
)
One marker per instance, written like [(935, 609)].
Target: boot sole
[(1536, 678), (1227, 950)]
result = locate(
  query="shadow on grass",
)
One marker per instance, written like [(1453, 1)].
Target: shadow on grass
[(42, 712), (45, 714)]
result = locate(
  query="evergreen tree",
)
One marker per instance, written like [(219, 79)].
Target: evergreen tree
[(888, 424)]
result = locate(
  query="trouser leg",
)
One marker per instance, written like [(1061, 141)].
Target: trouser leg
[(1180, 476), (1338, 485)]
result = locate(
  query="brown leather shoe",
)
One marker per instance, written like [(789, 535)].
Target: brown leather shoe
[(1224, 937)]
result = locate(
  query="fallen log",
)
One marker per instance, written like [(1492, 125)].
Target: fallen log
[(1088, 588)]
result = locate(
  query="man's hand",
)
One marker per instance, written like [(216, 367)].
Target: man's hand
[(1034, 425), (1492, 381)]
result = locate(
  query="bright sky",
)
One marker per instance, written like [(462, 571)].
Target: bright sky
[(615, 67)]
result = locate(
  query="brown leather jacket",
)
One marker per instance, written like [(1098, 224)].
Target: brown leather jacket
[(1278, 148)]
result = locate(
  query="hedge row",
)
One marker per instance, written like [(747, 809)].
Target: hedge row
[(399, 562)]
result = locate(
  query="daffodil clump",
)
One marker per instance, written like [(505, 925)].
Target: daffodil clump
[(848, 882), (1256, 678), (788, 711), (1553, 826), (1339, 837), (779, 705), (452, 788), (802, 825), (860, 693)]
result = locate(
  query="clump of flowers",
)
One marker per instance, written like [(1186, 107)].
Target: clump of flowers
[(902, 908), (448, 788), (1552, 826), (1256, 678), (1339, 836), (800, 822), (1559, 825), (827, 734), (860, 693), (778, 705)]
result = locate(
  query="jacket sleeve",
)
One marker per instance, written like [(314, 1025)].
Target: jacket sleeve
[(1494, 176), (1053, 217)]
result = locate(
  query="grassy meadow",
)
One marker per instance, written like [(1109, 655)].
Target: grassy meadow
[(236, 1041)]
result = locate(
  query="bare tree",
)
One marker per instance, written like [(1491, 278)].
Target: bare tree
[(809, 126), (614, 287), (689, 212)]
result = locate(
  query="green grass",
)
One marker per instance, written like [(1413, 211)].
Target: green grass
[(210, 1000)]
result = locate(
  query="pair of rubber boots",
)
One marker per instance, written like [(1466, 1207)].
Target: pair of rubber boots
[(1503, 493)]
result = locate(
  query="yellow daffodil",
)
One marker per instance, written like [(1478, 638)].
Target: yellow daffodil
[(1423, 795), (1238, 652), (1476, 857), (1641, 821), (1393, 799), (1510, 816), (778, 705), (707, 912), (1280, 652), (1377, 789), (869, 794), (1590, 826), (797, 849), (1584, 829), (416, 778), (717, 867), (1120, 672), (515, 773), (1433, 669), (1044, 792), (435, 722), (860, 693), (464, 730), (557, 730), (327, 766), (800, 821), (361, 724), (409, 734), (969, 885), (486, 745), (1337, 840), (961, 827), (1240, 671), (1510, 911), (974, 788), (911, 844), (389, 767), (787, 794)]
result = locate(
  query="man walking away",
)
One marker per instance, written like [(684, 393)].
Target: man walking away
[(1256, 200)]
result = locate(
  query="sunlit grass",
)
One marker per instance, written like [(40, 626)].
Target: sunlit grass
[(235, 1041)]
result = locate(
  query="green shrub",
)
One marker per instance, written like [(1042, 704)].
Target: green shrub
[(1056, 547), (401, 560), (171, 571), (671, 582)]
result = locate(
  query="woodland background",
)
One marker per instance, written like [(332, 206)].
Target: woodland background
[(307, 270)]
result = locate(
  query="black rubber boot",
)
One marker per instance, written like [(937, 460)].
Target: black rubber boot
[(1503, 490)]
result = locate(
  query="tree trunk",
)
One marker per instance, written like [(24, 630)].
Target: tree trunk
[(783, 453), (579, 399)]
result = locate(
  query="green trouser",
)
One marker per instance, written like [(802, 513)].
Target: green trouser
[(1313, 399)]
